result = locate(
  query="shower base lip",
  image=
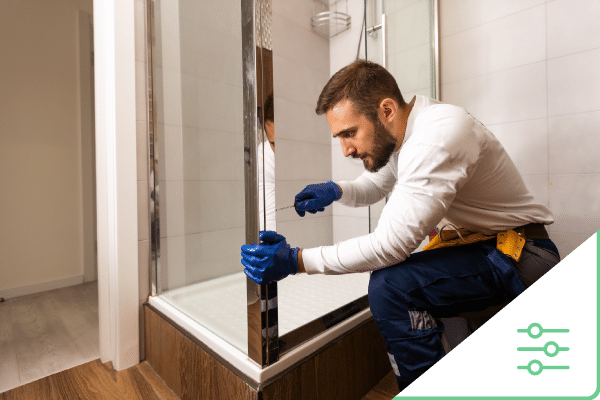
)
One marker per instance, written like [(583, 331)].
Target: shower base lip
[(239, 362)]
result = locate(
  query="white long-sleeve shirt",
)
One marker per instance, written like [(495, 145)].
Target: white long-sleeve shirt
[(449, 166)]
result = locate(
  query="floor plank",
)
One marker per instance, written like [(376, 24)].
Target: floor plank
[(386, 389), (78, 310), (159, 386), (94, 381), (47, 332), (42, 389), (39, 336)]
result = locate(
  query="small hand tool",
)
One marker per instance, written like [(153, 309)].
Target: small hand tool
[(283, 208)]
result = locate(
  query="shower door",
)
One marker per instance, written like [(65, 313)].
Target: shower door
[(197, 153)]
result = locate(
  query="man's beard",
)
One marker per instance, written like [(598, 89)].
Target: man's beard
[(383, 147)]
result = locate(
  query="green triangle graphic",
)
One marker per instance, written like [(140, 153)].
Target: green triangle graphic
[(485, 364)]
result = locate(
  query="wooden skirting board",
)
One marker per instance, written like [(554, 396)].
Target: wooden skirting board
[(345, 369)]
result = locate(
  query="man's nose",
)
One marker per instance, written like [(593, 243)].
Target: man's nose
[(347, 148)]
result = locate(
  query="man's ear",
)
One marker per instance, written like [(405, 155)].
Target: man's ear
[(388, 109)]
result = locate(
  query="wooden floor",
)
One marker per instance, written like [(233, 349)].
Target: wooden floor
[(386, 389), (49, 350), (94, 380), (47, 332)]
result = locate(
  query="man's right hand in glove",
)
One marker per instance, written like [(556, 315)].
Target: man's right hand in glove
[(316, 197)]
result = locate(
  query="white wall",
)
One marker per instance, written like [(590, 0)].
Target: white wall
[(303, 139), (529, 71), (41, 229)]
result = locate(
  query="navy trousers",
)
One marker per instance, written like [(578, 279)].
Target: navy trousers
[(406, 297)]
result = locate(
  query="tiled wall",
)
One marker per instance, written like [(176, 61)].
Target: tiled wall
[(303, 144), (200, 143), (212, 138), (528, 70)]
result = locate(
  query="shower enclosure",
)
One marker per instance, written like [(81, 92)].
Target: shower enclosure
[(224, 73)]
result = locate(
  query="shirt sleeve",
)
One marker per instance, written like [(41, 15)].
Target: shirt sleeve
[(442, 153), (368, 188)]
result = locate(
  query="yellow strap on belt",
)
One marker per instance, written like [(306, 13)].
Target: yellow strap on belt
[(509, 242)]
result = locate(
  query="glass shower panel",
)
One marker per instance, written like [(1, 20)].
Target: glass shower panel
[(308, 304), (199, 170), (406, 44), (409, 43)]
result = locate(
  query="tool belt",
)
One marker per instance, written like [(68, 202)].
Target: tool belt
[(509, 242)]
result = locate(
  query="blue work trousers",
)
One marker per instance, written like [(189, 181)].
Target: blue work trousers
[(407, 299)]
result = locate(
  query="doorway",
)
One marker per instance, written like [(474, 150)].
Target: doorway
[(48, 263)]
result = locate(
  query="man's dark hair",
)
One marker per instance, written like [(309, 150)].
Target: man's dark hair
[(269, 109), (365, 84)]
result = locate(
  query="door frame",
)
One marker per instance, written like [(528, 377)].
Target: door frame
[(116, 181)]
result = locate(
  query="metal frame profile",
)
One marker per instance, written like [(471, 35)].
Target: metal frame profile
[(152, 149), (263, 336)]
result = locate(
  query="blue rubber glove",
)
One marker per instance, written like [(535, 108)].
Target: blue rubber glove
[(316, 197), (271, 260)]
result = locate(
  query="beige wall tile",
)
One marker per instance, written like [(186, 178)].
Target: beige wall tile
[(574, 83), (172, 168), (307, 232), (298, 121), (143, 211), (212, 254), (210, 155), (512, 95), (144, 269), (213, 205), (302, 161), (460, 15), (140, 31), (143, 151), (300, 45), (350, 227), (572, 26), (575, 202), (297, 82), (508, 42), (571, 137), (172, 208), (520, 139), (141, 91)]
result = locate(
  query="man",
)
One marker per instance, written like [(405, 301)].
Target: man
[(442, 168)]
